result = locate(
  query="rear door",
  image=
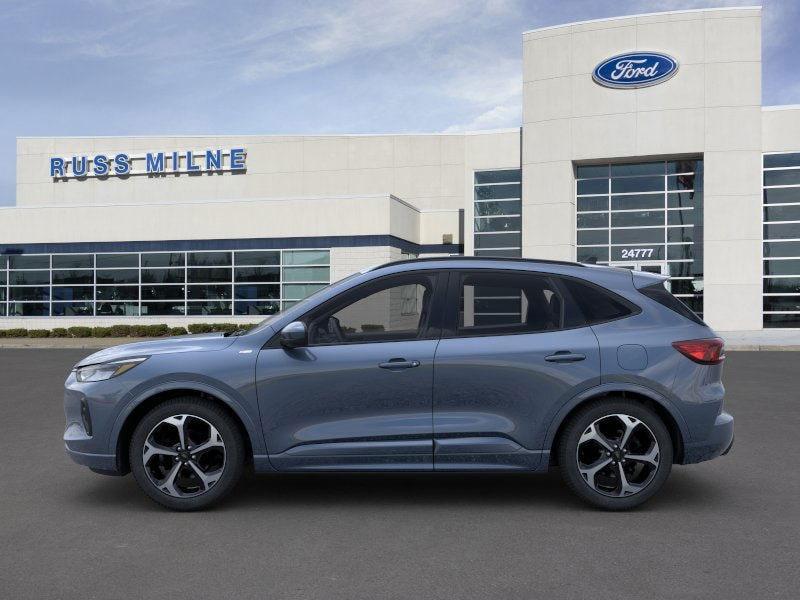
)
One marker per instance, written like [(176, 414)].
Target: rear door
[(508, 358)]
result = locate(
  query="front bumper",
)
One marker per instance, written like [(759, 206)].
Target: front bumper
[(718, 442), (105, 464), (90, 410), (77, 445)]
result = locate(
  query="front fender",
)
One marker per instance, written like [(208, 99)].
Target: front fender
[(609, 388), (194, 383)]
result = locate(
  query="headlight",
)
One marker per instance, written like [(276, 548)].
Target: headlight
[(104, 371)]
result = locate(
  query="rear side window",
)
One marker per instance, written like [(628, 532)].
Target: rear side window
[(498, 303), (661, 294), (595, 304)]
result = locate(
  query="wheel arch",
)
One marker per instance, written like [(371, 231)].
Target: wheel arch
[(672, 420), (152, 398)]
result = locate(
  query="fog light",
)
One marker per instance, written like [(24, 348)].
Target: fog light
[(86, 417)]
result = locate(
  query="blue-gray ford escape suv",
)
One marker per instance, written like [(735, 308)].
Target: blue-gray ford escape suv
[(445, 364)]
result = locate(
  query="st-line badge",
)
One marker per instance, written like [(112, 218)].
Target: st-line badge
[(635, 70)]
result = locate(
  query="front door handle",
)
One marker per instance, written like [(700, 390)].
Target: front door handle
[(397, 364), (565, 356)]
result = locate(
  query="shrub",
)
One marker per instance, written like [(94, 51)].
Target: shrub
[(80, 332), (157, 330), (138, 331), (59, 332), (101, 332), (223, 327), (16, 332), (177, 331), (200, 328), (2, 333), (38, 333), (119, 330)]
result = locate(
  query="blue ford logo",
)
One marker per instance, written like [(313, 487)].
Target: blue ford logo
[(635, 70)]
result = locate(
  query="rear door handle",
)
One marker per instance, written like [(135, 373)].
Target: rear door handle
[(397, 364), (565, 356)]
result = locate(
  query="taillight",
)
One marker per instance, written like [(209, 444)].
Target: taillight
[(705, 352)]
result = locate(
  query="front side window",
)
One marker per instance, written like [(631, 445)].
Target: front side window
[(494, 303), (391, 309)]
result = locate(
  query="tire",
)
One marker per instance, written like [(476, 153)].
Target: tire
[(592, 437), (187, 480)]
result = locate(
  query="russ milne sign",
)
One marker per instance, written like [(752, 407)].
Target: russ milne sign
[(150, 163), (635, 70)]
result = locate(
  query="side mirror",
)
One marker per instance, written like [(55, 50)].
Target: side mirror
[(294, 335)]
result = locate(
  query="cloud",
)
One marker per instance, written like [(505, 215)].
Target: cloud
[(497, 117), (338, 33)]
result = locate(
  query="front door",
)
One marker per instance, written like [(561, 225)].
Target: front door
[(507, 361), (359, 396)]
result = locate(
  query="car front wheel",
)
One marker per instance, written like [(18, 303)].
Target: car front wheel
[(187, 453), (615, 453)]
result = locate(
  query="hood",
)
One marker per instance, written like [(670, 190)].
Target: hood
[(206, 342)]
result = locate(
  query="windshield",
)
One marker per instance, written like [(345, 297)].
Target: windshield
[(300, 305)]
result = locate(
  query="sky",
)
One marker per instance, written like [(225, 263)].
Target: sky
[(171, 67)]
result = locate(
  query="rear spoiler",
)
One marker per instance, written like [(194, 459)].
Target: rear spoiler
[(642, 279)]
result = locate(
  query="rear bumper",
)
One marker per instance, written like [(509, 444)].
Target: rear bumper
[(718, 442)]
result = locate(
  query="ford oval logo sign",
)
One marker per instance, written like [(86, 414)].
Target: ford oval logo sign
[(635, 70)]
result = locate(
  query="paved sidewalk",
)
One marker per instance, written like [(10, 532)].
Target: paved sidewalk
[(764, 339), (89, 343)]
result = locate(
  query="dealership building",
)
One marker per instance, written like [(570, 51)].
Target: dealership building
[(643, 144)]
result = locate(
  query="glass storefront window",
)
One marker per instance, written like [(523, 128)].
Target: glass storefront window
[(163, 276), (306, 273), (29, 277), (163, 259), (497, 223), (72, 309), (644, 214), (155, 283), (258, 257), (257, 274), (66, 277), (306, 257), (117, 276), (208, 292), (298, 291), (209, 259), (781, 213), (73, 261), (212, 275), (71, 292), (29, 293), (208, 308), (117, 261), (29, 261)]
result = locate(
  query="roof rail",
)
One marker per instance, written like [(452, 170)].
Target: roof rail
[(479, 259)]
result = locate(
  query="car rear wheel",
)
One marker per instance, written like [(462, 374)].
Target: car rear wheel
[(187, 453), (615, 454)]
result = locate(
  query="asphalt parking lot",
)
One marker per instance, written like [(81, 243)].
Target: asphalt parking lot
[(724, 529)]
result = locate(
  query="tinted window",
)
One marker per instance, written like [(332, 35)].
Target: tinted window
[(506, 303), (660, 294), (112, 261), (595, 304), (387, 310)]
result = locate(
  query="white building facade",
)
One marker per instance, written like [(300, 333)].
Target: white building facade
[(675, 168)]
